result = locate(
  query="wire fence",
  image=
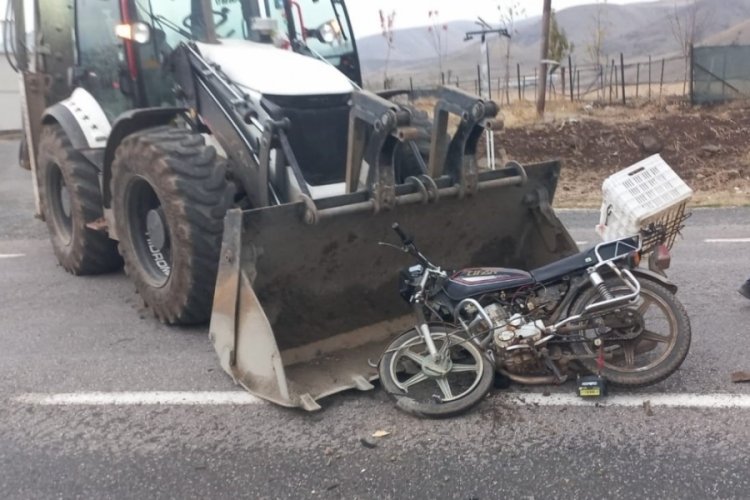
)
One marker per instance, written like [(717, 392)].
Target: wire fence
[(720, 73), (617, 81)]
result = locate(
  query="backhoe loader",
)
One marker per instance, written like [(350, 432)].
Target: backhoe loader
[(225, 153)]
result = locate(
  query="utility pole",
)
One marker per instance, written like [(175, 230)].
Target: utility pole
[(542, 82), (485, 76)]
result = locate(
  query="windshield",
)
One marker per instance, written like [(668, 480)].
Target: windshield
[(321, 24)]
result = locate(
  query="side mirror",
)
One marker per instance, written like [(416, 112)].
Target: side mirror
[(136, 32), (327, 32)]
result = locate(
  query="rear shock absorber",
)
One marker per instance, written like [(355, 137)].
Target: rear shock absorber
[(599, 284)]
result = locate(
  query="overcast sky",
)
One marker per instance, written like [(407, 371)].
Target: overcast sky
[(414, 12)]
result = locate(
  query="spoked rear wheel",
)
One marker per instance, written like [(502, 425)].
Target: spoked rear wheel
[(648, 349), (435, 387)]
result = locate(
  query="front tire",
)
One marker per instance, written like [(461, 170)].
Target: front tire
[(71, 198), (169, 198), (422, 392), (656, 352)]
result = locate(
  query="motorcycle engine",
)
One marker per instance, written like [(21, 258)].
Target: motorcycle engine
[(516, 329)]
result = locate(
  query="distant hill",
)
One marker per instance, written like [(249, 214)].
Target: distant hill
[(637, 30), (410, 44), (738, 34)]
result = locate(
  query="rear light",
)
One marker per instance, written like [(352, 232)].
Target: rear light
[(634, 259), (660, 258)]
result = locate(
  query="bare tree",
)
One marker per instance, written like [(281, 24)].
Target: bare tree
[(688, 21), (386, 26), (438, 37), (508, 16), (595, 48)]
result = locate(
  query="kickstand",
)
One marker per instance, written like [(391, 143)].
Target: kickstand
[(600, 359), (552, 367)]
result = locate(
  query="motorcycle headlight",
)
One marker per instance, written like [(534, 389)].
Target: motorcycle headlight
[(408, 279)]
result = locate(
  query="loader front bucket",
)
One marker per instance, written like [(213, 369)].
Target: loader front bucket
[(305, 296)]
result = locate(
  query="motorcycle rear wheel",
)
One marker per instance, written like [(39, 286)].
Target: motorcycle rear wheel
[(421, 392), (655, 353)]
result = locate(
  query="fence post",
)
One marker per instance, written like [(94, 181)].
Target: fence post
[(479, 81), (611, 77), (692, 95), (518, 76), (622, 73), (536, 85), (551, 90), (637, 78), (617, 79), (411, 84), (649, 77), (458, 83), (570, 75), (562, 79), (724, 75), (661, 80), (578, 83)]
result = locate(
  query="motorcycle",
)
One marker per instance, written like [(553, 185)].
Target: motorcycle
[(596, 310)]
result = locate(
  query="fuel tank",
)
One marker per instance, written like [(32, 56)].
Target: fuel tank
[(480, 280)]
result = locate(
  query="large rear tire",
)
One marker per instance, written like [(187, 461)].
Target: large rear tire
[(71, 198), (660, 346), (419, 390), (169, 198)]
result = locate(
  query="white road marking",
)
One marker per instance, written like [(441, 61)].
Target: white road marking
[(11, 255), (579, 243), (716, 400), (727, 240), (236, 398), (140, 398)]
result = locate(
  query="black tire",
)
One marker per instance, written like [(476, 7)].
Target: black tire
[(430, 408), (169, 175), (71, 198), (666, 363)]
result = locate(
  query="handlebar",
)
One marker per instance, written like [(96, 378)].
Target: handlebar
[(411, 248), (401, 234)]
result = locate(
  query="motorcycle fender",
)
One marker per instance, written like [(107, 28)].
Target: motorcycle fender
[(658, 278)]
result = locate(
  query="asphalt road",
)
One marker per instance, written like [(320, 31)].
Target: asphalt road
[(60, 334)]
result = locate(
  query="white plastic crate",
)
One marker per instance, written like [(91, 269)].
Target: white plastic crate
[(648, 191)]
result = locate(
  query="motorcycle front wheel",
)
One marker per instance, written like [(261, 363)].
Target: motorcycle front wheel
[(648, 351), (435, 387)]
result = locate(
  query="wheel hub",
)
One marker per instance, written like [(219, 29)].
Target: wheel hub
[(628, 325), (156, 227), (436, 368)]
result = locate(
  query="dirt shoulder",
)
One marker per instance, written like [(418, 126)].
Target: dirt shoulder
[(709, 147)]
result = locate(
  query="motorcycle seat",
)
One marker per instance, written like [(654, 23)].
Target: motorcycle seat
[(564, 266)]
